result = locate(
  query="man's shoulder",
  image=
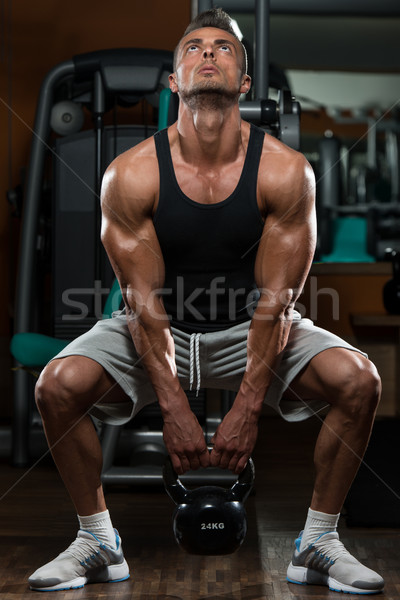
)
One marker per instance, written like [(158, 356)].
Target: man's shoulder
[(137, 166), (132, 179), (285, 175), (137, 157), (273, 147), (278, 159)]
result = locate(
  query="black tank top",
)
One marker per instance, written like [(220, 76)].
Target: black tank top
[(209, 250)]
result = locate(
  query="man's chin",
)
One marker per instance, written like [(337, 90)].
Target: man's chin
[(210, 94)]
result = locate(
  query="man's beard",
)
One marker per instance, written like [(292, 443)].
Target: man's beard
[(211, 96)]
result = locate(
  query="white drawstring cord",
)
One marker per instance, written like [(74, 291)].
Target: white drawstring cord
[(194, 358), (198, 372)]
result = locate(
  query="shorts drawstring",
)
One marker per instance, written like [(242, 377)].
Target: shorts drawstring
[(195, 358)]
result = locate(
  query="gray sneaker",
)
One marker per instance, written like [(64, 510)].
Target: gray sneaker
[(86, 560), (327, 562)]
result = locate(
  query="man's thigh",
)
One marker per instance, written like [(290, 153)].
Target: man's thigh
[(106, 355), (326, 375), (82, 378)]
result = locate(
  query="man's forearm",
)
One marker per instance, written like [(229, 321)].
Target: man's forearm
[(182, 433), (267, 339), (151, 334)]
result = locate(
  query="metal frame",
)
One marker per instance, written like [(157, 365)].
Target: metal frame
[(26, 275)]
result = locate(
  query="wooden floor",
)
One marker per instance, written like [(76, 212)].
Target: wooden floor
[(37, 522)]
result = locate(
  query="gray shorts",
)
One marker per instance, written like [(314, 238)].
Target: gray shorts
[(210, 360)]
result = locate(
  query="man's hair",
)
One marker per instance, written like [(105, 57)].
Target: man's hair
[(215, 17)]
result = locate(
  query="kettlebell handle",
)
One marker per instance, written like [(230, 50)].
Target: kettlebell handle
[(239, 491), (242, 487), (175, 488)]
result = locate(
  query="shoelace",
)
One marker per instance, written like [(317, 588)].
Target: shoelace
[(83, 549), (194, 358), (331, 547)]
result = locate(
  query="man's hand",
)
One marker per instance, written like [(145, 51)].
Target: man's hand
[(234, 440), (184, 440)]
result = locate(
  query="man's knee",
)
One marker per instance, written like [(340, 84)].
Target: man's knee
[(61, 387), (360, 387)]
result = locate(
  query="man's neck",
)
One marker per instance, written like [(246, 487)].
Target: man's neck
[(209, 136)]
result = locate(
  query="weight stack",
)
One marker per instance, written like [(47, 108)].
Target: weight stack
[(374, 497)]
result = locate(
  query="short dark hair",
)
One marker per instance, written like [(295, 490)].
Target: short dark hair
[(218, 18)]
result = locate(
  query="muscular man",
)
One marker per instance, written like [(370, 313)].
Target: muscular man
[(210, 228)]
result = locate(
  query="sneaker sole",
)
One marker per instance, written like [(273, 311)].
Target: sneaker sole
[(111, 574), (299, 575)]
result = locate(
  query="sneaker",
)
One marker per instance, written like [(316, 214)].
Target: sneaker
[(327, 562), (86, 560)]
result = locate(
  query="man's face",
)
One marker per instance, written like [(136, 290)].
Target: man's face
[(209, 61)]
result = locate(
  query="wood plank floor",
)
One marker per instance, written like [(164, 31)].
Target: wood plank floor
[(38, 521)]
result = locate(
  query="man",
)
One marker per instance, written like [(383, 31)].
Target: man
[(210, 229)]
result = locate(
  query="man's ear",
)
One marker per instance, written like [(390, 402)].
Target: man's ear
[(245, 84), (173, 86)]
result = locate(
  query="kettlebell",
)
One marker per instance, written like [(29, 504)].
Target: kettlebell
[(209, 520), (391, 289)]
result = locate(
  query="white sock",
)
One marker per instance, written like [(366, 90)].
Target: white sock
[(317, 523), (100, 525)]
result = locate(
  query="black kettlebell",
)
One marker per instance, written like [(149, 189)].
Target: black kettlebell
[(209, 519), (391, 289)]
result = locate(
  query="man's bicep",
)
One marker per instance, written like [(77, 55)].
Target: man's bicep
[(127, 231), (285, 253), (286, 248), (136, 258)]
